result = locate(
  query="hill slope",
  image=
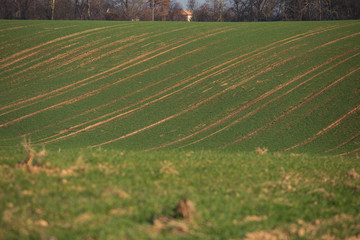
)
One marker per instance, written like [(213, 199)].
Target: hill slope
[(286, 86)]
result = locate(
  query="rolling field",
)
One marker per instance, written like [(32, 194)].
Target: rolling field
[(176, 130), (139, 85)]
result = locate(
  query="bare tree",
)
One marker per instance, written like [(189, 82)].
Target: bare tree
[(271, 10), (174, 11), (211, 10), (160, 9), (88, 9), (21, 8), (52, 9), (215, 10), (238, 8), (131, 9), (191, 5)]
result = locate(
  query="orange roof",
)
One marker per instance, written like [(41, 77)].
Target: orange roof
[(184, 12)]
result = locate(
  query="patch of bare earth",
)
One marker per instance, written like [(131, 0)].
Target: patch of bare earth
[(323, 228), (254, 218), (353, 174), (272, 235)]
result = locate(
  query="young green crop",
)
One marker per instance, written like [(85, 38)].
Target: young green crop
[(286, 86)]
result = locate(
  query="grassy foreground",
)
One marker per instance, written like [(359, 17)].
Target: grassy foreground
[(112, 194)]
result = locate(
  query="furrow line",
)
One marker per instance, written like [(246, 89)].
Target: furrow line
[(313, 69), (337, 40), (26, 51), (73, 100), (170, 117), (81, 56), (35, 59), (153, 101), (306, 100), (344, 143), (253, 102), (52, 47), (48, 52), (57, 90), (326, 129), (88, 53), (124, 97), (102, 88), (350, 152), (13, 28), (101, 74), (58, 66), (55, 58), (262, 48), (117, 49), (186, 110), (113, 101), (119, 116), (116, 100)]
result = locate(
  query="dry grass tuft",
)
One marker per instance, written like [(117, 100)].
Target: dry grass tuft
[(185, 209), (33, 157), (167, 169), (30, 151), (169, 223), (353, 174), (261, 151)]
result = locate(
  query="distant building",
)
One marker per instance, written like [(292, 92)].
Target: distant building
[(186, 15)]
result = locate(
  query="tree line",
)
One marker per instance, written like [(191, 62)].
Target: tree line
[(170, 10), (275, 10)]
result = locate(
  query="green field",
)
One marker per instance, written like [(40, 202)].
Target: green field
[(105, 126), (142, 85)]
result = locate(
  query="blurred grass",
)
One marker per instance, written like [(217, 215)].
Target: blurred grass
[(113, 194)]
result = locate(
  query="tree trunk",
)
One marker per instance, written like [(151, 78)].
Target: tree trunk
[(220, 12), (153, 10), (283, 11), (89, 9), (52, 9)]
